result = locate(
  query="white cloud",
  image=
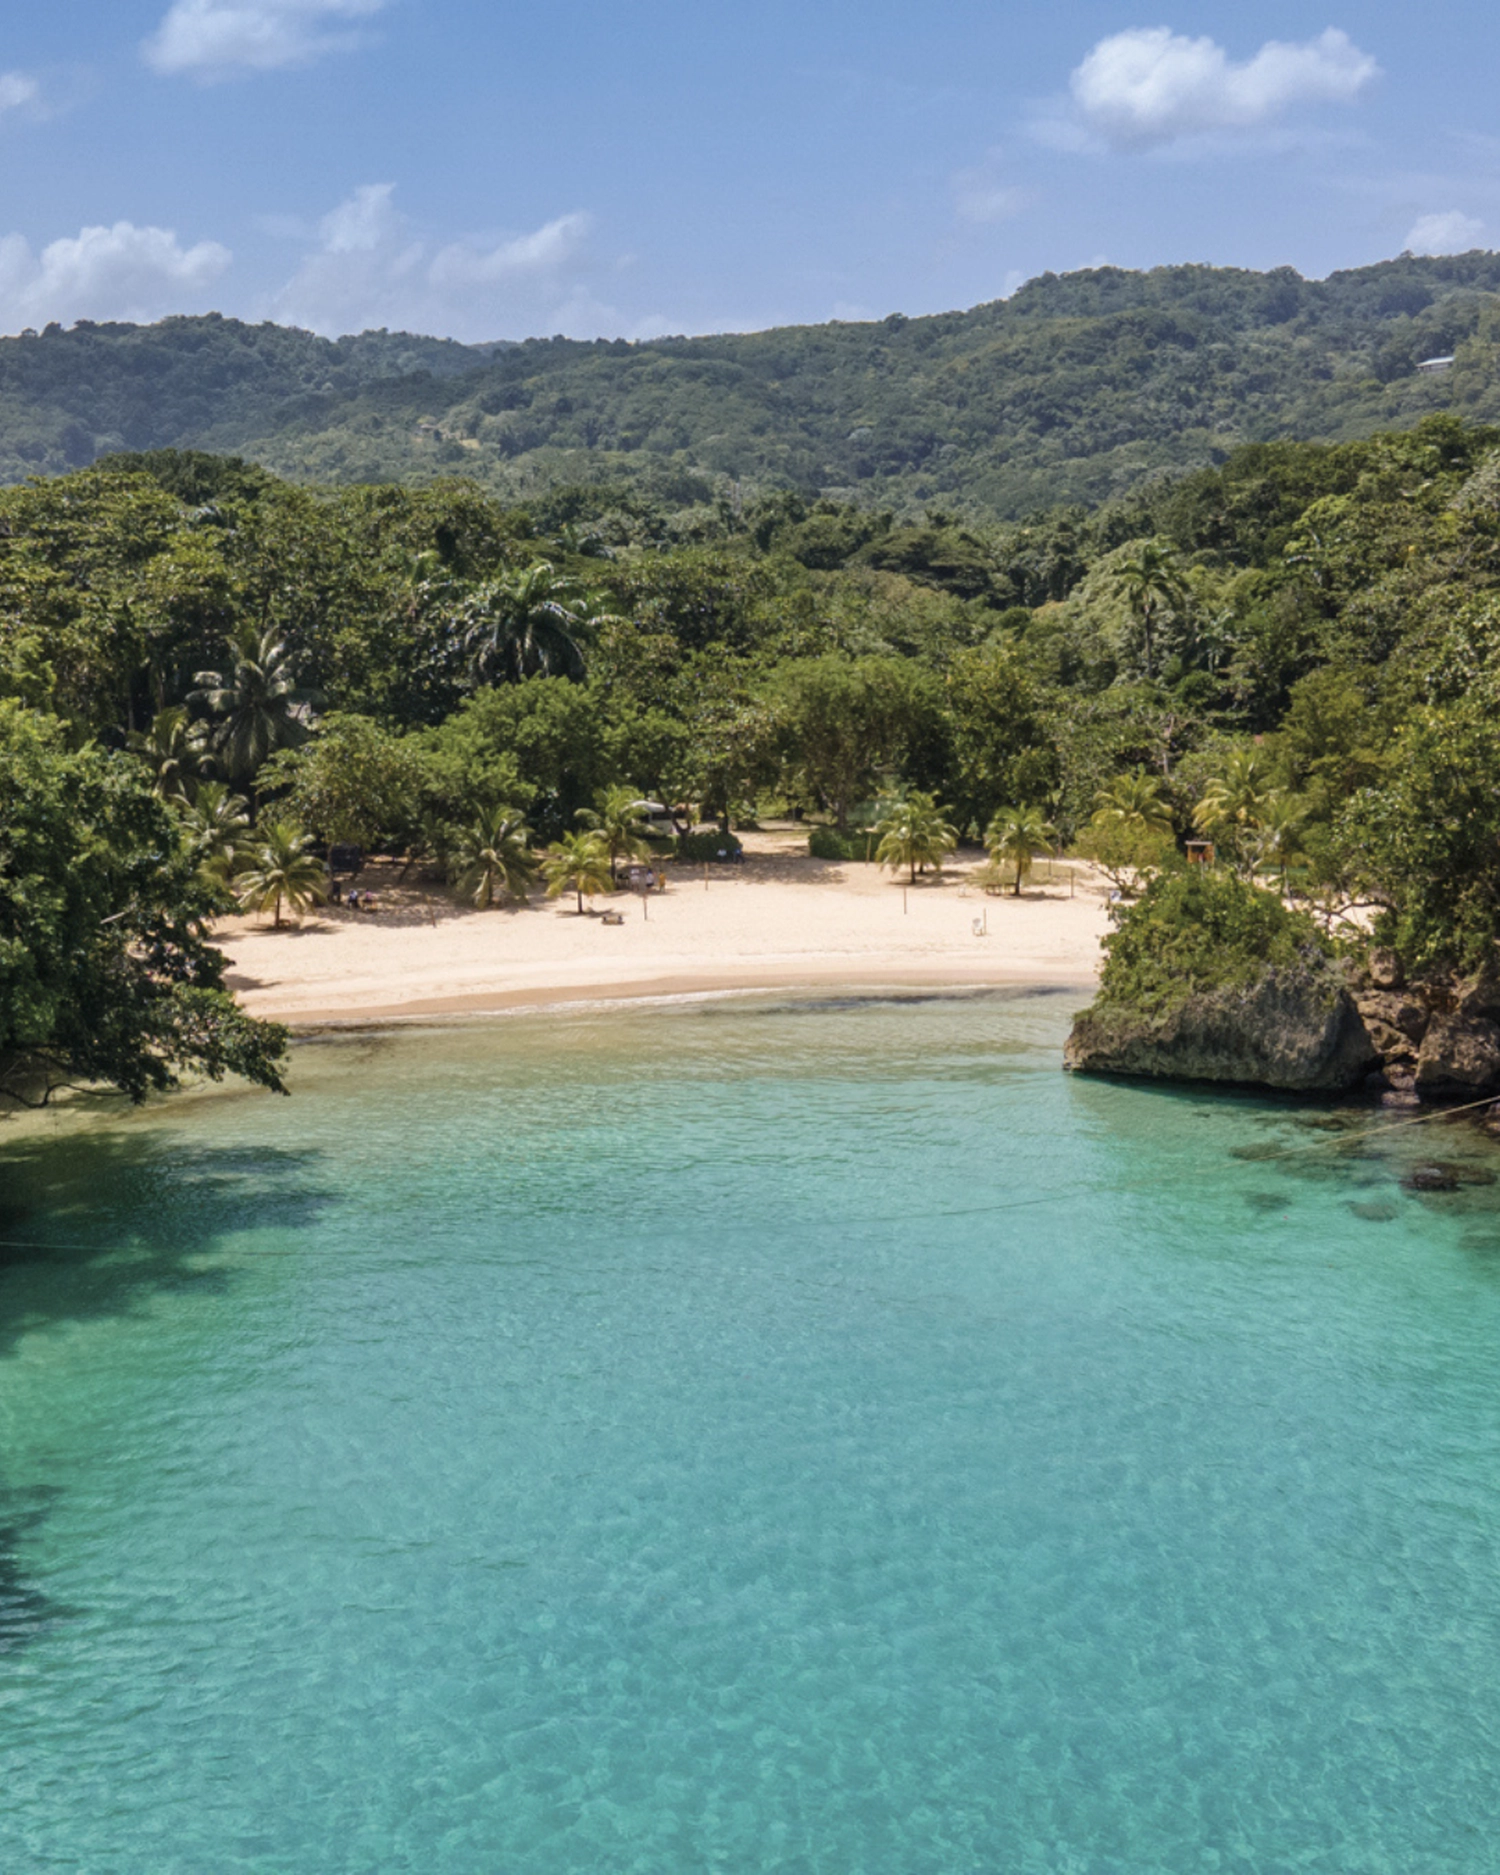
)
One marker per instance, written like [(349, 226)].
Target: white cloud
[(1450, 232), (1150, 85), (123, 272), (212, 38), (17, 89), (370, 268)]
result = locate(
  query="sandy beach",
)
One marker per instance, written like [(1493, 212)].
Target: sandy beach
[(780, 920)]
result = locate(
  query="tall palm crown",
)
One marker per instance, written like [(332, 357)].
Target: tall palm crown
[(1280, 824), (1018, 834), (280, 870), (527, 624), (217, 824), (257, 700), (578, 862), (619, 823), (172, 748), (1235, 797), (1137, 803), (915, 831), (495, 855), (1152, 584)]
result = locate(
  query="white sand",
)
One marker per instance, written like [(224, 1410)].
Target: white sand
[(778, 921)]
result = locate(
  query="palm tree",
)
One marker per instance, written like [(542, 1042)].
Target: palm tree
[(914, 831), (279, 868), (259, 703), (527, 624), (1279, 826), (1152, 583), (1235, 799), (618, 822), (495, 853), (1018, 834), (1135, 804), (216, 823), (173, 748), (578, 862)]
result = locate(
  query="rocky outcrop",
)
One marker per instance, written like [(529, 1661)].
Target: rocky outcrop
[(1395, 1021), (1460, 1056), (1294, 1027)]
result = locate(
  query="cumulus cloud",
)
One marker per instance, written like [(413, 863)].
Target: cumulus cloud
[(1450, 232), (122, 272), (369, 268), (1149, 85), (210, 39)]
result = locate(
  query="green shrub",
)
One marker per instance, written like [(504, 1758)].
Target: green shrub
[(1200, 929), (829, 843), (707, 847)]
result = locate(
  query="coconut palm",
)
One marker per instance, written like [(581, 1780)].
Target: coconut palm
[(527, 624), (1280, 824), (1232, 804), (258, 702), (1152, 584), (1134, 804), (578, 862), (172, 748), (1018, 834), (216, 823), (495, 855), (914, 831), (619, 823), (278, 869)]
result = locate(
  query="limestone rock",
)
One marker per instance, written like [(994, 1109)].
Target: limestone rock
[(1294, 1027), (1402, 1013), (1385, 970), (1460, 1055)]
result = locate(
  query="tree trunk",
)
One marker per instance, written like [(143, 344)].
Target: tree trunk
[(1020, 875), (276, 925), (579, 890)]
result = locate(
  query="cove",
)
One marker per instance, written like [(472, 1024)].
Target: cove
[(755, 1434)]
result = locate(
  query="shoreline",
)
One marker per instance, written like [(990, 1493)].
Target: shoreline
[(697, 986)]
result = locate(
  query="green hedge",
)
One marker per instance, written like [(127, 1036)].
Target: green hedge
[(708, 847)]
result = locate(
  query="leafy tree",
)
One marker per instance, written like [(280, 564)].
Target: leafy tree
[(577, 862), (258, 702), (1018, 835), (105, 975), (914, 831), (495, 855), (845, 720), (352, 781), (1280, 833), (1424, 847), (278, 869)]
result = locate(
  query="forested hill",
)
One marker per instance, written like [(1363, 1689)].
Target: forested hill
[(1075, 388)]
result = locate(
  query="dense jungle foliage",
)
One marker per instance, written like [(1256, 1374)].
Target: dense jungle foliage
[(208, 670), (1074, 389)]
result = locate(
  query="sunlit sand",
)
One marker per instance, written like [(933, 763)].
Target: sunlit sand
[(777, 921)]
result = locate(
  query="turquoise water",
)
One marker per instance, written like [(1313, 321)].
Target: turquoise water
[(745, 1436)]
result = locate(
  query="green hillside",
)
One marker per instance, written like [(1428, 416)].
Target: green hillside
[(1075, 389)]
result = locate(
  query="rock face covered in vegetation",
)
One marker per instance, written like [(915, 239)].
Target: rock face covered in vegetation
[(1209, 978), (1295, 1027)]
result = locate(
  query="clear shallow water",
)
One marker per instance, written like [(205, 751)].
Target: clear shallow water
[(747, 1437)]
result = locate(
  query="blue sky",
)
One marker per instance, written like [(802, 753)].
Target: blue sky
[(493, 170)]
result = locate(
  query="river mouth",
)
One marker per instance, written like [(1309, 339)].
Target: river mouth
[(813, 1433)]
